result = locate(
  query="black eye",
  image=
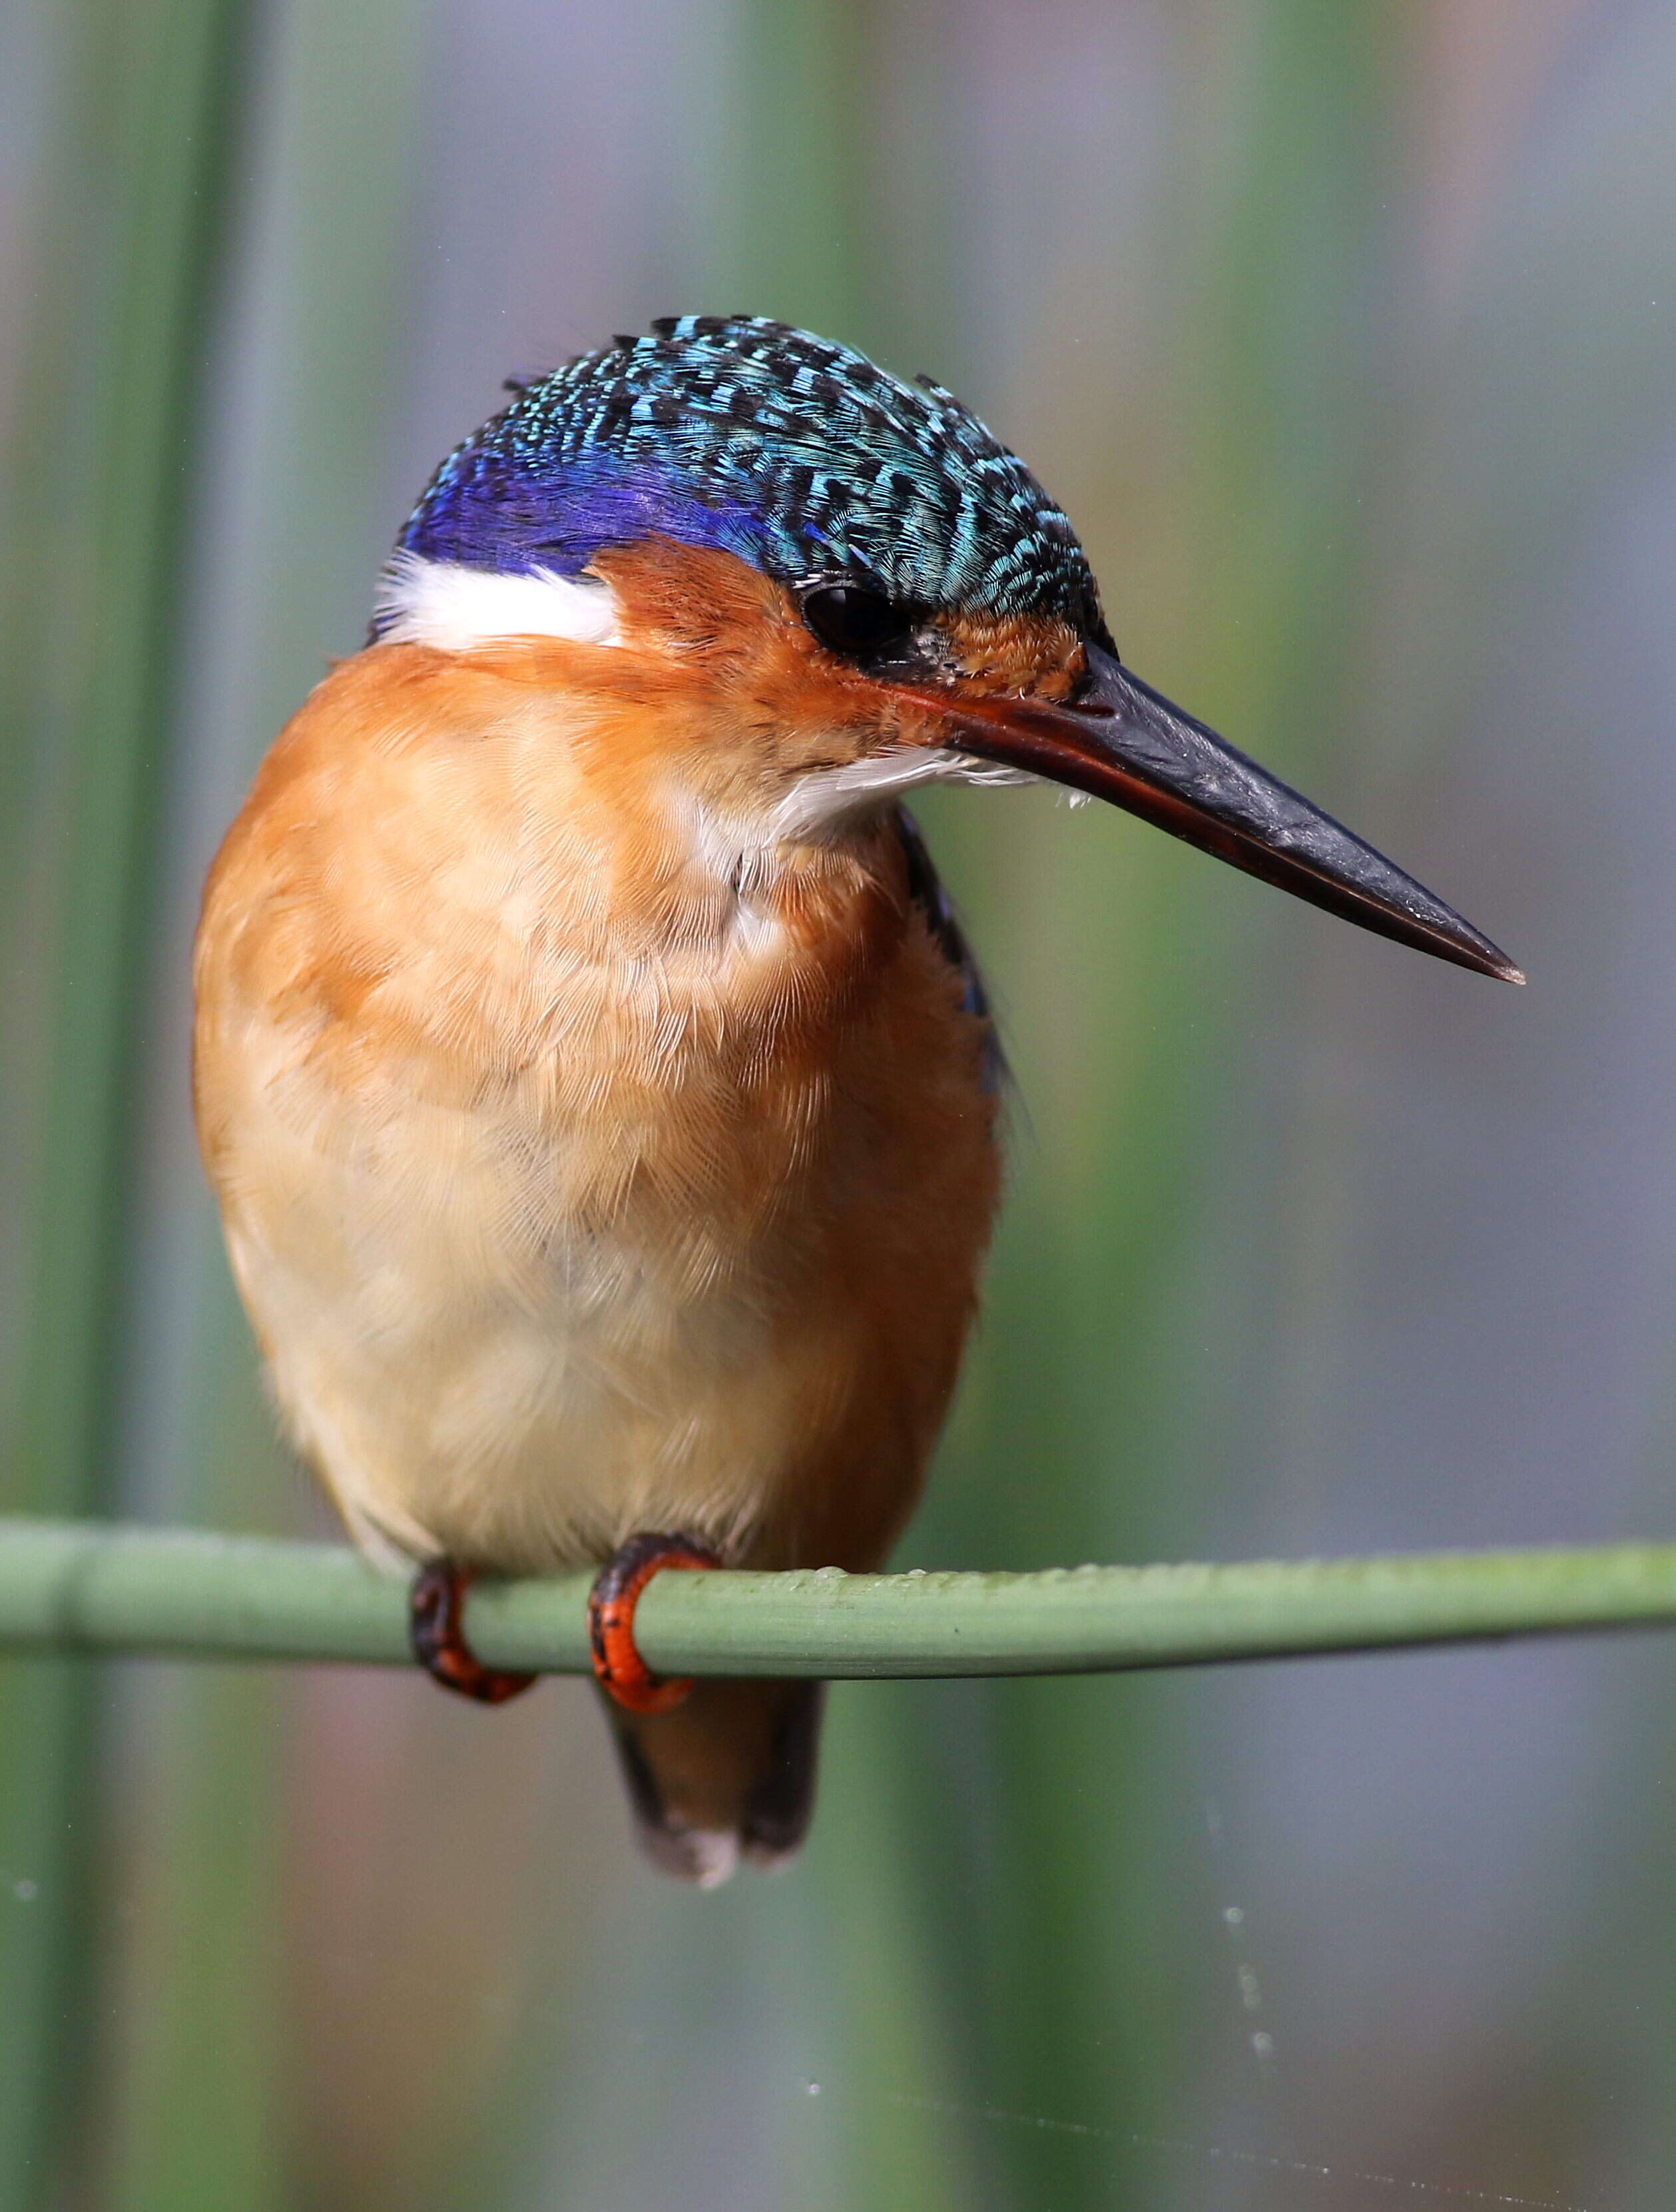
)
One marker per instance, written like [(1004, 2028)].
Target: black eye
[(856, 622)]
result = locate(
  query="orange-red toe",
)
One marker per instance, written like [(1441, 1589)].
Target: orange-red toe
[(436, 1606), (617, 1664)]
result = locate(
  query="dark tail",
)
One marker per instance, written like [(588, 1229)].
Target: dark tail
[(728, 1772)]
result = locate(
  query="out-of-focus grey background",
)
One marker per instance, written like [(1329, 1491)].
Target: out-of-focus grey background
[(1346, 332)]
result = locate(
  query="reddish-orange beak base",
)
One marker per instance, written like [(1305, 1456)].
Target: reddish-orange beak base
[(1120, 741)]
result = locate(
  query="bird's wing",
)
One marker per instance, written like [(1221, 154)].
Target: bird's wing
[(925, 888)]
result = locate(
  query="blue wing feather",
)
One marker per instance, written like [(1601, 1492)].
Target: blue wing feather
[(925, 889)]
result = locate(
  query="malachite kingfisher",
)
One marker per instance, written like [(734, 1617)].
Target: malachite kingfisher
[(598, 1091)]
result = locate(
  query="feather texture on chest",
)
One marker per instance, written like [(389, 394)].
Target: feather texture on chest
[(527, 1067)]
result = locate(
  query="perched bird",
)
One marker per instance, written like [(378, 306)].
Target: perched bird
[(598, 1091)]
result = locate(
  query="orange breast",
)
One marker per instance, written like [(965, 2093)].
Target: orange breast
[(583, 1166)]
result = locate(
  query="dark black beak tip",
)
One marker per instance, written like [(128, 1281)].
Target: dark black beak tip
[(1467, 947), (1446, 937), (1480, 955)]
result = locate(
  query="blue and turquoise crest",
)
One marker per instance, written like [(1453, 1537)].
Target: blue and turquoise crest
[(799, 455)]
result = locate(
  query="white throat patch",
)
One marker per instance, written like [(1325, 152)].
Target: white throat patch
[(826, 800), (441, 603)]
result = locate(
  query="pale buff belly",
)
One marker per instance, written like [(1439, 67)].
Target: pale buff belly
[(474, 1370)]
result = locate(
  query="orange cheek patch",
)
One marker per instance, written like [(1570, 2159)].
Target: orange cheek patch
[(1012, 653), (723, 653), (734, 649), (699, 599)]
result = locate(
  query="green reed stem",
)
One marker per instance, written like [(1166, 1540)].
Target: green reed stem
[(77, 1588)]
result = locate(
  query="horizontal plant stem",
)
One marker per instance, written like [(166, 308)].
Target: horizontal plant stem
[(93, 1586)]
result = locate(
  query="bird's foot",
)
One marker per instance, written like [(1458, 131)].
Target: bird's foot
[(617, 1664), (436, 1605)]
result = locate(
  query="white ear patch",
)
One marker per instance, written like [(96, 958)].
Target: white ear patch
[(441, 603)]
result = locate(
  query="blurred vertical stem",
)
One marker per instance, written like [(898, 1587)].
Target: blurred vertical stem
[(796, 175), (1105, 1359), (279, 581), (97, 532), (800, 180)]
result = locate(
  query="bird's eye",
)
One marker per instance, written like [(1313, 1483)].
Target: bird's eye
[(853, 620)]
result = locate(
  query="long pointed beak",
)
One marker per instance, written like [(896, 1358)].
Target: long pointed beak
[(1120, 741)]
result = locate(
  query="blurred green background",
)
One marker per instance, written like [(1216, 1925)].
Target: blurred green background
[(1344, 329)]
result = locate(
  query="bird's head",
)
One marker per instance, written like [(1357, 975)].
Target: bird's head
[(834, 585)]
